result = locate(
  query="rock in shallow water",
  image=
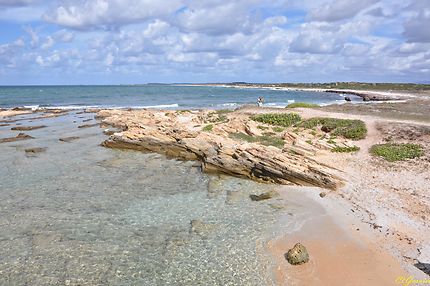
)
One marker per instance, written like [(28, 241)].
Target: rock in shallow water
[(201, 228), (35, 150), (297, 255), (27, 128), (263, 196), (20, 136), (68, 139)]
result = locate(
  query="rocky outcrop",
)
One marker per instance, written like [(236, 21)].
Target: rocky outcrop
[(179, 135), (365, 95), (297, 255)]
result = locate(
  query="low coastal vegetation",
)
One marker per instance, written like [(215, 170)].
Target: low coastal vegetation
[(302, 105), (266, 139), (347, 128), (397, 151), (208, 128), (339, 149), (346, 85), (279, 119)]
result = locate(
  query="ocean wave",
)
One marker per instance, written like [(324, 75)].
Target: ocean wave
[(76, 107), (228, 104)]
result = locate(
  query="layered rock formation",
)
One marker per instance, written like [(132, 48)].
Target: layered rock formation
[(179, 134)]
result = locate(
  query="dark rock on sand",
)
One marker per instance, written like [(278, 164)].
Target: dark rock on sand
[(326, 129), (88, 125), (297, 255), (263, 196), (323, 194), (20, 136), (68, 139), (35, 150), (27, 128)]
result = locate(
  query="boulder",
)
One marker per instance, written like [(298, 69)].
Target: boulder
[(297, 255)]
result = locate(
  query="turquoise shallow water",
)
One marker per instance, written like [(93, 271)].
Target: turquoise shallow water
[(81, 214), (162, 96)]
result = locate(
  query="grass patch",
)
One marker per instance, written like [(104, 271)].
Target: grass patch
[(223, 111), (347, 128), (397, 152), (277, 129), (264, 140), (182, 111), (309, 141), (302, 104), (262, 127), (331, 141), (208, 128), (339, 149), (279, 119)]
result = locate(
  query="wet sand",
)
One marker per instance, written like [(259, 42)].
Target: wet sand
[(339, 255)]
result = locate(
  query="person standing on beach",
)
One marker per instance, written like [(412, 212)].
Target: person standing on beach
[(260, 101)]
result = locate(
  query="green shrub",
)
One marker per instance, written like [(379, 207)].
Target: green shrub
[(262, 127), (302, 104), (277, 129), (264, 140), (396, 151), (339, 149), (347, 128), (309, 141), (279, 119), (208, 128)]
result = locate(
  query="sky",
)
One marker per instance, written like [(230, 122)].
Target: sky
[(142, 41)]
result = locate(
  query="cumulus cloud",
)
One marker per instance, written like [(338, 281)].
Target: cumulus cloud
[(222, 40), (339, 10), (14, 3), (109, 14), (416, 26)]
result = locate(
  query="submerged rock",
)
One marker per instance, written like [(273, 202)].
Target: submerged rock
[(20, 136), (201, 228), (27, 128), (263, 196), (297, 255), (88, 125), (233, 197)]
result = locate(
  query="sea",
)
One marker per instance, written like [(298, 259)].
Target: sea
[(156, 96)]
